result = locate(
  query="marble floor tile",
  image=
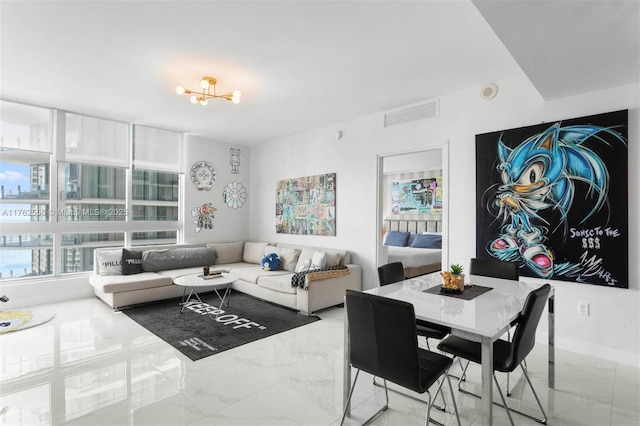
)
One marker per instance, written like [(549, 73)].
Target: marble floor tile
[(93, 366)]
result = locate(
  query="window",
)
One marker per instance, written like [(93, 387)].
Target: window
[(154, 237), (26, 255), (155, 195), (24, 186), (77, 249), (94, 193), (91, 187), (156, 159)]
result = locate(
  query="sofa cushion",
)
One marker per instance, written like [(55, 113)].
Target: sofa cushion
[(252, 274), (288, 256), (279, 283), (254, 252), (183, 257), (120, 283), (109, 262), (228, 252), (131, 262)]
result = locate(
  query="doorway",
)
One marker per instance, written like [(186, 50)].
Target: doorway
[(411, 165)]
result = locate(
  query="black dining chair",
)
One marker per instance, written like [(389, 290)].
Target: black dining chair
[(496, 268), (507, 356), (394, 272), (382, 338)]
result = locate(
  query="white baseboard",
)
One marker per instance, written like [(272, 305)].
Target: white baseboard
[(31, 293), (592, 349)]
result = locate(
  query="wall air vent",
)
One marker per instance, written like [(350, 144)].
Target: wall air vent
[(413, 113)]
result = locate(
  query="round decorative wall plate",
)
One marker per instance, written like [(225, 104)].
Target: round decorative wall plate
[(203, 175), (235, 194)]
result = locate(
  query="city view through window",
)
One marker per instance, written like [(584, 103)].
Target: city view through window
[(40, 200)]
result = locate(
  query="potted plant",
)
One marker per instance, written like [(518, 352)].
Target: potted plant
[(456, 272), (453, 278)]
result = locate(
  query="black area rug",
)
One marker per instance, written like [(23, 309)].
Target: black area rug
[(197, 334)]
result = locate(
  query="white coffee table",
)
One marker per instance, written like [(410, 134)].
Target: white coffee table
[(193, 282)]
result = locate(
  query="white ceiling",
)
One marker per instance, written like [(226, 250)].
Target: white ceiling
[(302, 65)]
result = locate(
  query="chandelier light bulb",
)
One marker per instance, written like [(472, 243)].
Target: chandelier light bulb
[(180, 90), (235, 97), (204, 83), (203, 101), (194, 99)]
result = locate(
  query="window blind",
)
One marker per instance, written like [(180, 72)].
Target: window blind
[(25, 127), (97, 141), (156, 149)]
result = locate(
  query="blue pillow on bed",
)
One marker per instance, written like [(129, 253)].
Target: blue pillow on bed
[(396, 238), (431, 241)]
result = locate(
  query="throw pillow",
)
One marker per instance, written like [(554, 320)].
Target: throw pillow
[(254, 252), (431, 241), (109, 262), (317, 261), (131, 262), (304, 259), (288, 257), (396, 238), (228, 252), (333, 258), (177, 258)]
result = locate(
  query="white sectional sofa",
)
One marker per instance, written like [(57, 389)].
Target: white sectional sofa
[(160, 265)]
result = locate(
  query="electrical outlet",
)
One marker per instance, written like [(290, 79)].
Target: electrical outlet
[(583, 309)]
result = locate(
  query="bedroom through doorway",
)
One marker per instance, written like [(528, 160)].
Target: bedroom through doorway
[(412, 217)]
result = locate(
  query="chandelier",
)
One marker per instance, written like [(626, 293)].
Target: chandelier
[(207, 83)]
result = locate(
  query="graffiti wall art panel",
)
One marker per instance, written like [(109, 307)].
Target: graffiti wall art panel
[(307, 205), (417, 196), (553, 198)]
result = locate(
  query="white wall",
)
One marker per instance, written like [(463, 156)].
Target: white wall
[(229, 224), (612, 330)]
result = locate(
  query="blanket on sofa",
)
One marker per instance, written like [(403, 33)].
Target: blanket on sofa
[(299, 278)]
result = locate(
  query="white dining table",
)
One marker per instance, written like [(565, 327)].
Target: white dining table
[(483, 319)]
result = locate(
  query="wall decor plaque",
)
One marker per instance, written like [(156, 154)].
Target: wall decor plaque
[(203, 175)]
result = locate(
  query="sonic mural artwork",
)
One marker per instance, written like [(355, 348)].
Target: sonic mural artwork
[(556, 199)]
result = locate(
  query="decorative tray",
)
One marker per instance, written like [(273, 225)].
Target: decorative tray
[(450, 290)]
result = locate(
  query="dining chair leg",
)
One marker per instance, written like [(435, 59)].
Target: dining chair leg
[(453, 399), (512, 410), (426, 422), (377, 413), (544, 415), (508, 339), (442, 407), (462, 376), (506, 407), (353, 386), (438, 390)]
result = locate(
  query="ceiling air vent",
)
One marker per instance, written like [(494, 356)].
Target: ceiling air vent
[(412, 113)]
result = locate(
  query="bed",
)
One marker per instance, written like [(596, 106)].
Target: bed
[(420, 253)]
